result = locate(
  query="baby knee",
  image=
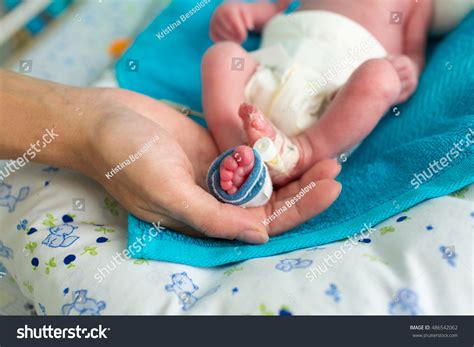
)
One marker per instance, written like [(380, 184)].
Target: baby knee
[(381, 79), (221, 51)]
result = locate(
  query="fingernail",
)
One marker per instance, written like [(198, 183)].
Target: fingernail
[(252, 236)]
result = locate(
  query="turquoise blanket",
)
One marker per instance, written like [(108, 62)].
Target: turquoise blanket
[(420, 150)]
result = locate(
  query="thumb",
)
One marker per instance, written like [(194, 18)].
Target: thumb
[(200, 210)]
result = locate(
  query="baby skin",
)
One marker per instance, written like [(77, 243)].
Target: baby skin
[(353, 113)]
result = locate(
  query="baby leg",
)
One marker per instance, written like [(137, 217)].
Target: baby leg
[(355, 111), (352, 115), (226, 69)]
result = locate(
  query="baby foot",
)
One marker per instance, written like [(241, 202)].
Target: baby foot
[(235, 169), (257, 126), (408, 72)]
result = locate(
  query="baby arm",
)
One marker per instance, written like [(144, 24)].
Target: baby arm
[(410, 64), (233, 20)]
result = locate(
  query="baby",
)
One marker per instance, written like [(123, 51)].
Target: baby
[(322, 79)]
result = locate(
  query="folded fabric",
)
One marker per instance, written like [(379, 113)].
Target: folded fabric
[(420, 150), (256, 190)]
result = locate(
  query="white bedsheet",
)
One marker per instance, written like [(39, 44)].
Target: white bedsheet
[(418, 262)]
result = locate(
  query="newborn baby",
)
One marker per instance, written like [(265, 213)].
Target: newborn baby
[(322, 79)]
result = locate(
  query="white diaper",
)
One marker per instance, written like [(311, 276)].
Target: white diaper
[(305, 57)]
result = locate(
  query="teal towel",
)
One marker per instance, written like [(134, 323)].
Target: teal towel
[(378, 179)]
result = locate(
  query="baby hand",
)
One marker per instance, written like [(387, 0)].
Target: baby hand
[(408, 72), (231, 22)]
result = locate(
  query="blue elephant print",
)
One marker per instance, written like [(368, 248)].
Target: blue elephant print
[(449, 254), (405, 303), (5, 251), (60, 235), (286, 265), (184, 288), (334, 292), (82, 305), (9, 200)]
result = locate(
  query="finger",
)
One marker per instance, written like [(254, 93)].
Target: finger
[(160, 218), (213, 34), (217, 35), (214, 219), (213, 28), (228, 34), (238, 26), (223, 30), (226, 27), (248, 20), (318, 195), (220, 36), (313, 203), (326, 169)]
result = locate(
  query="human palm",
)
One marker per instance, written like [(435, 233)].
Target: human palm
[(167, 182)]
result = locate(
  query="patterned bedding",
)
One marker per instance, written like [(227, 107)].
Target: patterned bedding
[(63, 244)]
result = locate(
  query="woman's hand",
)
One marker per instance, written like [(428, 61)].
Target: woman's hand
[(166, 182), (98, 129)]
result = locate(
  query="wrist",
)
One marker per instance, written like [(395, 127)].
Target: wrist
[(84, 107), (69, 112), (42, 121)]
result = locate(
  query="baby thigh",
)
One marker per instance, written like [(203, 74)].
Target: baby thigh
[(356, 109), (226, 69)]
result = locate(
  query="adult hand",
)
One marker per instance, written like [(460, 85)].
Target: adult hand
[(100, 128), (167, 182)]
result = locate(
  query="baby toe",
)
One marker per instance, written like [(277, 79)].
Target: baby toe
[(230, 163)]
